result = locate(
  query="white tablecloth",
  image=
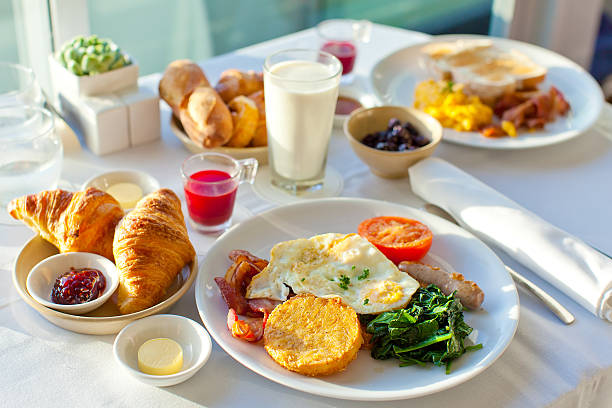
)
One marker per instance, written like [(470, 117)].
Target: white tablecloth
[(546, 364)]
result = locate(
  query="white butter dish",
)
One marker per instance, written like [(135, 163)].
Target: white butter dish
[(191, 336)]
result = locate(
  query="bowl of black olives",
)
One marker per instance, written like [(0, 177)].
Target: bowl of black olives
[(390, 139)]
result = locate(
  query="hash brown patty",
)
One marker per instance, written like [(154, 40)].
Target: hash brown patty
[(313, 336)]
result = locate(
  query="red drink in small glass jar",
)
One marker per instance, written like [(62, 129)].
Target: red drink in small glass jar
[(341, 38), (210, 181), (210, 203), (345, 51)]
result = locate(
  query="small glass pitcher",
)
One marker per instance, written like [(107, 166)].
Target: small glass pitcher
[(341, 38), (210, 181)]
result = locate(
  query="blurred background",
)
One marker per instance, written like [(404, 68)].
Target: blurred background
[(156, 32)]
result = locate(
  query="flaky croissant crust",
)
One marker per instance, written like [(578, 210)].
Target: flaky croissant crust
[(151, 247), (84, 221)]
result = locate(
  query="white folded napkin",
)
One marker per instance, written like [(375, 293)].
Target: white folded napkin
[(558, 257)]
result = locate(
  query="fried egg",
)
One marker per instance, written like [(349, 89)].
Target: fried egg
[(330, 265)]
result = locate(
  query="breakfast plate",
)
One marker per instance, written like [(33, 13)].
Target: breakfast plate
[(238, 153), (395, 77), (104, 320), (365, 378)]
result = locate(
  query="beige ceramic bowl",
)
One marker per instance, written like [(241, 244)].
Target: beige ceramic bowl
[(104, 320), (260, 153), (384, 163)]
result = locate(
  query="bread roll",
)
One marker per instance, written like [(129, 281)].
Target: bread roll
[(245, 116), (205, 118), (180, 79), (261, 133), (234, 83)]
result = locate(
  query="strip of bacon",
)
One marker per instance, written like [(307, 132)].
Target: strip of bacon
[(239, 255), (234, 300), (518, 114), (240, 276), (262, 305), (249, 329), (233, 289), (560, 104)]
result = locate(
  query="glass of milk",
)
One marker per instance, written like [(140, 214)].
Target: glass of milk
[(301, 89), (30, 153)]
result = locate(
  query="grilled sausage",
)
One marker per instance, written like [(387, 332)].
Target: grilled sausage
[(468, 292)]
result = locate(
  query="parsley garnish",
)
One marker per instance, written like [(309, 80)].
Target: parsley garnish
[(365, 274), (449, 87), (302, 280), (353, 267), (344, 282), (366, 301)]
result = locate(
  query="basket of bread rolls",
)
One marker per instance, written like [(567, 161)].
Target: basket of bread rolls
[(228, 118)]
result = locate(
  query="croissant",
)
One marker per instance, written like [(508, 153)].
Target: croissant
[(84, 221), (180, 79), (206, 118), (234, 83), (151, 247)]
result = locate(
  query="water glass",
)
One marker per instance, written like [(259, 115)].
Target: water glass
[(18, 85), (301, 89), (210, 181), (30, 153)]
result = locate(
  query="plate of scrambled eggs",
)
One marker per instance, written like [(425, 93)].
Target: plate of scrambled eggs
[(417, 76), (296, 233)]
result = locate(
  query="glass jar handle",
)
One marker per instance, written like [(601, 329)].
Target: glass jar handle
[(248, 170), (362, 30)]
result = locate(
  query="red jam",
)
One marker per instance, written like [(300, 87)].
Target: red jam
[(345, 106), (78, 286)]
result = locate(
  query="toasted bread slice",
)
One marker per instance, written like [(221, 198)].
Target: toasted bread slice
[(486, 70), (313, 336)]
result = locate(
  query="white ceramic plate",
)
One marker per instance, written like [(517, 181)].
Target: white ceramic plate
[(365, 378), (395, 77)]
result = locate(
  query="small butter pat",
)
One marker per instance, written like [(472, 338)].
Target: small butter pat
[(160, 357), (127, 194)]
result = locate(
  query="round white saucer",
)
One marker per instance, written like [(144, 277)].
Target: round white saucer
[(263, 187)]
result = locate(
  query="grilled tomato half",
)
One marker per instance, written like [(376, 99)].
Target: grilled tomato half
[(400, 239)]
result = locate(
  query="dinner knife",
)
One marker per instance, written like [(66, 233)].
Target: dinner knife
[(553, 305)]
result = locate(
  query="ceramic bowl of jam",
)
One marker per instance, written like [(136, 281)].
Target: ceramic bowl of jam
[(73, 282)]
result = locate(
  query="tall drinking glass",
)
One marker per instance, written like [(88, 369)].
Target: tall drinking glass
[(301, 89), (30, 153), (18, 85)]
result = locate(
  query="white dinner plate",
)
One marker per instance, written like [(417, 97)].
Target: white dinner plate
[(395, 77), (365, 378)]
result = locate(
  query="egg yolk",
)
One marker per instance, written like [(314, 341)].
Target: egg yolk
[(386, 292)]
